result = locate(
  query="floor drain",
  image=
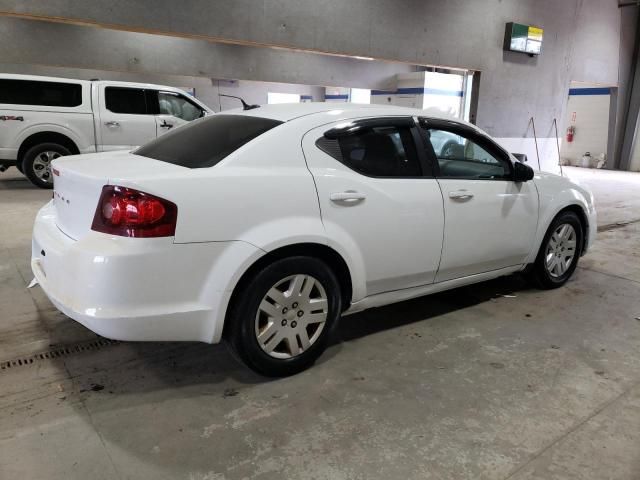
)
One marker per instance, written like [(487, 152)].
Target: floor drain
[(63, 351)]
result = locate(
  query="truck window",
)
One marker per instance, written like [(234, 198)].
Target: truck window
[(48, 94), (203, 143), (125, 100), (175, 104)]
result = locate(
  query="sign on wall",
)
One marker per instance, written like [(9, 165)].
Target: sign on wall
[(523, 38)]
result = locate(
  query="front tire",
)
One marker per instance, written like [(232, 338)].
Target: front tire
[(559, 253), (281, 320), (37, 163)]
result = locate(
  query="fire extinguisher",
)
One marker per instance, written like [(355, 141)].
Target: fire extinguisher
[(571, 131)]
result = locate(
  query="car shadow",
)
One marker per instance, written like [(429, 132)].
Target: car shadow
[(188, 383), (15, 181), (140, 367), (425, 308)]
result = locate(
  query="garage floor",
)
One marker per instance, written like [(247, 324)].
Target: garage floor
[(494, 381)]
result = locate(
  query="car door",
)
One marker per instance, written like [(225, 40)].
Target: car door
[(126, 121), (378, 200), (490, 220), (174, 110)]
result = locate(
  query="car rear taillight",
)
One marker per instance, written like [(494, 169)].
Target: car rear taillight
[(130, 213)]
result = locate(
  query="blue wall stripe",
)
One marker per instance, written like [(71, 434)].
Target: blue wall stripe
[(419, 91), (437, 91), (306, 97), (337, 97), (590, 91)]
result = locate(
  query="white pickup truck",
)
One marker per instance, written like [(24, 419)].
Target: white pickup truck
[(42, 118)]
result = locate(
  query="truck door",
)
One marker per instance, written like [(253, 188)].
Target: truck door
[(126, 119), (175, 110)]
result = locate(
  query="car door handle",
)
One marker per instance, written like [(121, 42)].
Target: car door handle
[(461, 195), (112, 123), (348, 196), (164, 124)]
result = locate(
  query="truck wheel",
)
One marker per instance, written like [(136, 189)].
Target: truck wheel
[(36, 164)]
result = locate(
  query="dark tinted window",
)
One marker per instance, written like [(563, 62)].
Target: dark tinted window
[(205, 142), (125, 100), (385, 151), (48, 94), (461, 157)]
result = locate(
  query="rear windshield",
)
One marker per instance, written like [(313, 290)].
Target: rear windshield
[(48, 94), (203, 143)]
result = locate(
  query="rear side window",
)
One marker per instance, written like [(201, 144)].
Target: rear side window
[(384, 151), (125, 100), (203, 143), (48, 94)]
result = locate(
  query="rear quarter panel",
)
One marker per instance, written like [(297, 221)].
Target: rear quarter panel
[(74, 125), (262, 194)]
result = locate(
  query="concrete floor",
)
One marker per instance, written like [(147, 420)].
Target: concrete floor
[(494, 381)]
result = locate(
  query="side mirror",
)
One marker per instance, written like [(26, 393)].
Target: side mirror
[(521, 157), (522, 172)]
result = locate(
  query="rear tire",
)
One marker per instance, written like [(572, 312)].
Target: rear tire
[(282, 319), (36, 164), (559, 253)]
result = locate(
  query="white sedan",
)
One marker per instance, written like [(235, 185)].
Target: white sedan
[(263, 226)]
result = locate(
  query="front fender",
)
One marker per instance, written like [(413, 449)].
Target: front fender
[(555, 194)]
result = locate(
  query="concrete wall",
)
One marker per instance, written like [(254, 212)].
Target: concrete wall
[(580, 43), (54, 44), (634, 163), (628, 36), (580, 36)]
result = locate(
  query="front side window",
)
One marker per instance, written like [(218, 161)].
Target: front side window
[(48, 94), (205, 142), (176, 105), (461, 157), (125, 100), (381, 151)]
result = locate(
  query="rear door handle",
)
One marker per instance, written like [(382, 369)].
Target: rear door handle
[(461, 195), (112, 123), (348, 196)]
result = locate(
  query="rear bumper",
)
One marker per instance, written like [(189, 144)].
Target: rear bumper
[(132, 289)]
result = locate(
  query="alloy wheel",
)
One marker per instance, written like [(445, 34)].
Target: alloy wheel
[(561, 250), (291, 316), (42, 165)]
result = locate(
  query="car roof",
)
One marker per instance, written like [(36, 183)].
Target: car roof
[(286, 112), (43, 78)]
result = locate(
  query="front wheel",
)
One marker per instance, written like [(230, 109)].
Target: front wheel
[(37, 163), (282, 319), (559, 252)]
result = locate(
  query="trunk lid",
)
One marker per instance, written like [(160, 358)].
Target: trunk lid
[(78, 182)]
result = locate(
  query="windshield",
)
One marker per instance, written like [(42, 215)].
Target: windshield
[(203, 143)]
